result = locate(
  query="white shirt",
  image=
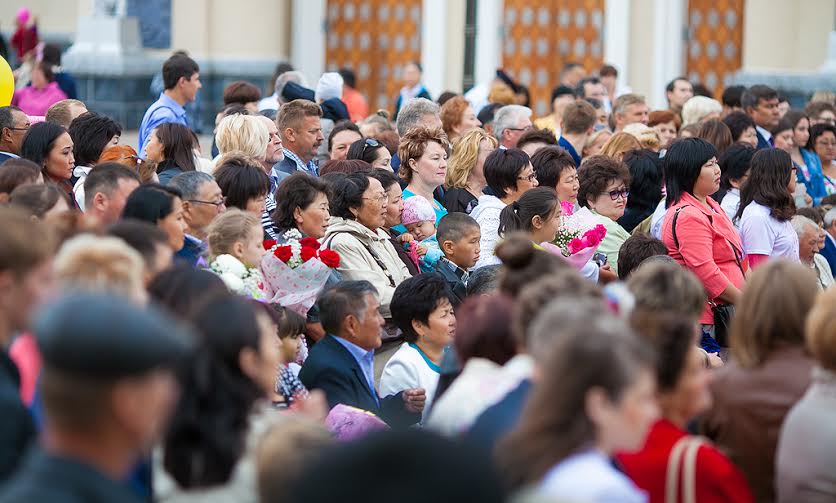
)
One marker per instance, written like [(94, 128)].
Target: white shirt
[(269, 103), (408, 369), (486, 214), (657, 219), (589, 476), (766, 134), (730, 204), (81, 173), (762, 234)]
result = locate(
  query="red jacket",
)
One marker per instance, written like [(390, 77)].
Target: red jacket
[(707, 244), (717, 479)]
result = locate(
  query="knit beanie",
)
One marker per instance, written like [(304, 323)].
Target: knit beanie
[(330, 85), (417, 209)]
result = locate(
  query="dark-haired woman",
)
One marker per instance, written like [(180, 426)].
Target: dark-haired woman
[(822, 144), (766, 207), (734, 166), (243, 182), (807, 163), (682, 381), (742, 128), (161, 206), (171, 146), (645, 187), (394, 212), (698, 233), (50, 147), (422, 309), (371, 150), (356, 231), (208, 451), (537, 213)]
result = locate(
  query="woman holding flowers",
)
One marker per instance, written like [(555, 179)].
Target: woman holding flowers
[(604, 184)]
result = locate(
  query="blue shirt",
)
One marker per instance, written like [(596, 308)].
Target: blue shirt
[(365, 359), (161, 111), (569, 148)]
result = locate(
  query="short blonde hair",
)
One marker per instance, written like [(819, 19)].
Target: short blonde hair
[(245, 133), (228, 228), (61, 112), (414, 143), (820, 329), (648, 138), (465, 155), (591, 139), (699, 107), (619, 144), (101, 264)]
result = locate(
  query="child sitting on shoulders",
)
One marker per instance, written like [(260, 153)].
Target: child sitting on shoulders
[(419, 219), (235, 248), (459, 239)]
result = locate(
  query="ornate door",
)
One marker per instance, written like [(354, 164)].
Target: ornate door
[(715, 42)]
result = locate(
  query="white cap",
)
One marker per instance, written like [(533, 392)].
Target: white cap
[(330, 85)]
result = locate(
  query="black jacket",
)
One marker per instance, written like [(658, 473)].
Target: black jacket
[(17, 430), (331, 368), (457, 287)]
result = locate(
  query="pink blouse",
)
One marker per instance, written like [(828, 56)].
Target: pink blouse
[(37, 101)]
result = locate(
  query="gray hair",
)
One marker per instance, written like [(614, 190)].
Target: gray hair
[(567, 316), (343, 299), (508, 117), (291, 76), (800, 224), (484, 280), (190, 182), (412, 113), (830, 217)]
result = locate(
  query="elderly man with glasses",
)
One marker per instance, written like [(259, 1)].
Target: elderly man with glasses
[(202, 202)]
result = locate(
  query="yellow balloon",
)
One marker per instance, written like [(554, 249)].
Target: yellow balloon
[(7, 83)]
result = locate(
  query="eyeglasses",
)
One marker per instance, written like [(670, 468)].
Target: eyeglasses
[(527, 128), (615, 194), (216, 204), (19, 128), (380, 199), (531, 178)]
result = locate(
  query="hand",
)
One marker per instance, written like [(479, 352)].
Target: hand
[(606, 274), (414, 399), (314, 407), (406, 237), (422, 250)]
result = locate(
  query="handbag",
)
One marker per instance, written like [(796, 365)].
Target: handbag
[(722, 313), (684, 453)]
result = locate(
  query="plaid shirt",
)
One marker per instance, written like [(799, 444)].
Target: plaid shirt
[(310, 168), (463, 275)]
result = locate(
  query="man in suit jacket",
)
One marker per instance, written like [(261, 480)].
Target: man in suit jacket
[(13, 126), (300, 127), (342, 363), (761, 104), (829, 250)]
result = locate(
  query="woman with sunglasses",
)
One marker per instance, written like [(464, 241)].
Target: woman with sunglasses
[(372, 151), (604, 188), (698, 233)]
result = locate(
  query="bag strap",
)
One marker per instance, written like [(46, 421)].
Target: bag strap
[(687, 448), (737, 255), (373, 253)]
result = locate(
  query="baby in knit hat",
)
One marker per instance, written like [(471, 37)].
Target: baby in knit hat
[(419, 219)]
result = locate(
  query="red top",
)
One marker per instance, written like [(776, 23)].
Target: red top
[(706, 237), (717, 479), (355, 102)]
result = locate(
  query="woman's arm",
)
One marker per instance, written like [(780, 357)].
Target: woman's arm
[(696, 236), (730, 295)]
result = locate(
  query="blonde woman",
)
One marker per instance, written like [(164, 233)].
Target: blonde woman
[(619, 144), (595, 142), (243, 133), (465, 176), (647, 136)]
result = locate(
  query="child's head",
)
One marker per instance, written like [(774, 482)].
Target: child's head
[(459, 237), (237, 233), (418, 217), (290, 329)]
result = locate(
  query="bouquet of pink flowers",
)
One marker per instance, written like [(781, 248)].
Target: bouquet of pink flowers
[(578, 236), (295, 273)]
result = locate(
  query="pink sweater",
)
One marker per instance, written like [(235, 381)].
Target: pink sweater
[(37, 101)]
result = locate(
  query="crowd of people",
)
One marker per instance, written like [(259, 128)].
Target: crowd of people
[(457, 302)]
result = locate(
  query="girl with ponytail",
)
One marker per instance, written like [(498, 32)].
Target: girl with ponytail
[(536, 213)]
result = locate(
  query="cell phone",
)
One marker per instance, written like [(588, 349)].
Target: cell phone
[(600, 259)]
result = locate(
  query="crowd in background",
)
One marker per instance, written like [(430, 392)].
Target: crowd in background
[(339, 304)]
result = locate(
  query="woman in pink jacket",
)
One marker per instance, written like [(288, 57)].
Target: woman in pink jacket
[(698, 232), (36, 98)]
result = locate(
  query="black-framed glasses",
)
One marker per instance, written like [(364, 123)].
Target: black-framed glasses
[(216, 204), (370, 142), (19, 128), (615, 194)]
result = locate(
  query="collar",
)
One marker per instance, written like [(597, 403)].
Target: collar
[(310, 167), (356, 351), (734, 191), (763, 132), (412, 92), (13, 156), (435, 368), (689, 199), (168, 101), (462, 274)]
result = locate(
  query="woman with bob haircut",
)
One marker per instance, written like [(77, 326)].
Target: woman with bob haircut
[(422, 309), (161, 206), (666, 123), (243, 182), (555, 168), (458, 118), (804, 460), (465, 170), (698, 233), (243, 133), (742, 128), (768, 372), (766, 208)]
